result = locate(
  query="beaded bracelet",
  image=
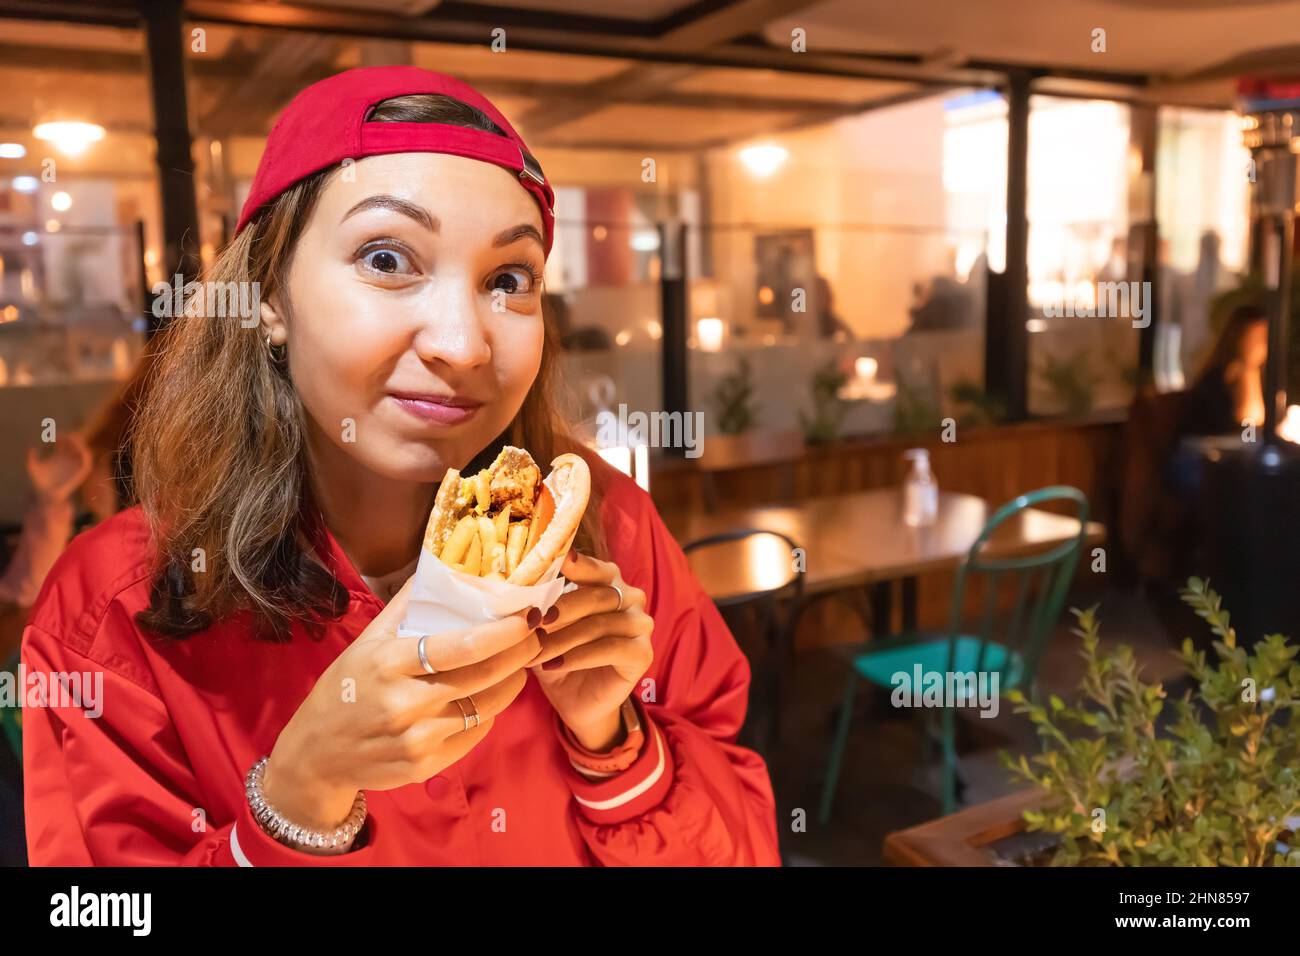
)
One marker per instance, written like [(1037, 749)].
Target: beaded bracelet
[(280, 828)]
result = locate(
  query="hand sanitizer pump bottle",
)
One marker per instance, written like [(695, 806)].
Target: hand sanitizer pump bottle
[(920, 492)]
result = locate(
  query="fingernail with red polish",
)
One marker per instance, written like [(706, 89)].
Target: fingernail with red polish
[(553, 663), (534, 617), (551, 615), (541, 632)]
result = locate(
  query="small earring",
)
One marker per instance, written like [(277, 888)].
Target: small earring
[(276, 351)]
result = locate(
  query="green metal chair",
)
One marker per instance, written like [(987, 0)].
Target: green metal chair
[(1011, 650)]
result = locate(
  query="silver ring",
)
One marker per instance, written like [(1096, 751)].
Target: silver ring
[(466, 717), (620, 597), (424, 659)]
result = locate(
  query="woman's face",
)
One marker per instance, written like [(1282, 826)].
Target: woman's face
[(1254, 344), (416, 282)]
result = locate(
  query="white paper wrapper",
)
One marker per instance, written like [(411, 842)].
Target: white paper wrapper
[(443, 599)]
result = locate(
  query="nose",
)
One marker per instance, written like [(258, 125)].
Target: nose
[(452, 330)]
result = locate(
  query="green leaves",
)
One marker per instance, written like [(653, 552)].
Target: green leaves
[(1213, 787)]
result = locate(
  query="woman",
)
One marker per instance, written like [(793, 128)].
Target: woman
[(1229, 391), (93, 465), (257, 706)]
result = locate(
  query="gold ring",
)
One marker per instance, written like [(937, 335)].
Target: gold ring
[(466, 717)]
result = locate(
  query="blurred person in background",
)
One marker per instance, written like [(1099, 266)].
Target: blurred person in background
[(84, 477), (1229, 390)]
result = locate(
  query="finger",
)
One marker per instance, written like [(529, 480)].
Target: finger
[(584, 569), (434, 744), (630, 656), (477, 677), (390, 616), (456, 649), (414, 700), (463, 741), (588, 599), (492, 700), (590, 629)]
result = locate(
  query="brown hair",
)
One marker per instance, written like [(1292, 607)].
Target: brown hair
[(107, 431), (219, 443), (1227, 347)]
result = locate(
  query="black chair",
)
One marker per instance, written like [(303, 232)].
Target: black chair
[(771, 612)]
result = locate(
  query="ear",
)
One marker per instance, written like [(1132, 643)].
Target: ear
[(273, 324)]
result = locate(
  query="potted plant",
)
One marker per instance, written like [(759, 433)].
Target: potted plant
[(1219, 784), (1217, 789), (734, 400), (823, 425), (1071, 382)]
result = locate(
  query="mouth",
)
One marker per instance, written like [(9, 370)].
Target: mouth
[(440, 409)]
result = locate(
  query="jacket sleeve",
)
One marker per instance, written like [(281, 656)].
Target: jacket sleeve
[(692, 798), (116, 788)]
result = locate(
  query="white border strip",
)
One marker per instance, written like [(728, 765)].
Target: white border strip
[(236, 850), (636, 791)]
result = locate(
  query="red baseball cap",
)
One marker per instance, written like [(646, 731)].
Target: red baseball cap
[(326, 124)]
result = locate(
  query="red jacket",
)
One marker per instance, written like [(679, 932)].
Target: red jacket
[(158, 777)]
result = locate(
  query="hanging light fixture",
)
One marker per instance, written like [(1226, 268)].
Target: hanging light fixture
[(762, 161), (70, 137)]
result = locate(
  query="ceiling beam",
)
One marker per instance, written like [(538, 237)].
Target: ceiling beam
[(240, 63), (730, 21), (438, 29), (281, 64), (70, 11), (64, 59), (717, 26), (686, 99)]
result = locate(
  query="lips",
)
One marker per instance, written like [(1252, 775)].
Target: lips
[(441, 409)]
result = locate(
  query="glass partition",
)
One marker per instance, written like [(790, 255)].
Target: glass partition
[(1086, 305), (1203, 208), (837, 330)]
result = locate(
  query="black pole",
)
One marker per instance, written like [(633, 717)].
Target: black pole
[(672, 297), (1275, 384), (1274, 196), (164, 38), (1143, 238), (1006, 339)]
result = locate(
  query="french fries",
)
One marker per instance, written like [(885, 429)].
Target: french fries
[(505, 522), (517, 538), (457, 547), (487, 547)]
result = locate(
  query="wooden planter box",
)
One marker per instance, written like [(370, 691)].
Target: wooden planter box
[(963, 838)]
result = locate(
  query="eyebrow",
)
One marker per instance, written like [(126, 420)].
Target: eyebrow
[(522, 231), (422, 216), (402, 206)]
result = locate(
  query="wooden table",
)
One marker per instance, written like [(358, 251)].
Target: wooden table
[(855, 546), (962, 838), (857, 539)]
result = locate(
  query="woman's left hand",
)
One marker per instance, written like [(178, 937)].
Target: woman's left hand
[(592, 654)]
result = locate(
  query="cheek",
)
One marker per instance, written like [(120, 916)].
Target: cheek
[(517, 355), (339, 344)]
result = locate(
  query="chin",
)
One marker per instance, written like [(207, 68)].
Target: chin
[(405, 459)]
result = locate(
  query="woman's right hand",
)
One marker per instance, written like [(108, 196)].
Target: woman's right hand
[(58, 474), (375, 720)]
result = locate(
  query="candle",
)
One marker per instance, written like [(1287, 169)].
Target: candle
[(709, 332)]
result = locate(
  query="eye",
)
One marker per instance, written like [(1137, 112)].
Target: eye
[(386, 261), (520, 279)]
